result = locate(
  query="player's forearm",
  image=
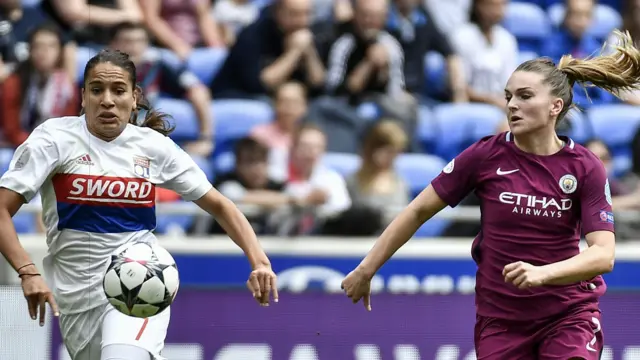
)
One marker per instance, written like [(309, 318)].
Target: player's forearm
[(277, 73), (393, 238), (240, 231), (10, 246), (594, 261)]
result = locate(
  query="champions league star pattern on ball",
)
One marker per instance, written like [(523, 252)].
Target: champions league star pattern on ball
[(142, 280)]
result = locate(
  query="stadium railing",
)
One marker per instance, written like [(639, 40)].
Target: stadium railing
[(460, 213)]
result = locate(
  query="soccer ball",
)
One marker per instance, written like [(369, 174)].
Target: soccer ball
[(142, 280)]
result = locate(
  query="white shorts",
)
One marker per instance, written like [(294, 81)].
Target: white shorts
[(104, 325)]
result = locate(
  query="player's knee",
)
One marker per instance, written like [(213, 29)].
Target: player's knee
[(124, 352)]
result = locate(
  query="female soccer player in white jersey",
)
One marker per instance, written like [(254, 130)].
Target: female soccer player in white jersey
[(97, 175), (536, 293)]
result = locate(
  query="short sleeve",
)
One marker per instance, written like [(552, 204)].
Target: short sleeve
[(595, 201), (32, 164), (459, 177), (182, 175)]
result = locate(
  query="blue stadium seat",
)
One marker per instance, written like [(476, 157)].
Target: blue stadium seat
[(605, 19), (165, 223), (224, 162), (418, 170), (25, 223), (5, 159), (184, 118), (205, 165), (526, 56), (435, 74), (528, 23), (616, 125), (427, 130), (206, 62), (83, 55), (581, 129), (169, 58), (457, 124), (234, 119), (344, 164)]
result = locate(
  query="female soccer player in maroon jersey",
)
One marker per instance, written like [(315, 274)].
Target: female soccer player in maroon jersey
[(536, 293)]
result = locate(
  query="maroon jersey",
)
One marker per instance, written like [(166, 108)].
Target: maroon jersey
[(534, 209)]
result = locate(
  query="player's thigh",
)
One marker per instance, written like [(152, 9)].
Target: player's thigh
[(148, 334), (575, 336), (92, 350), (81, 333), (499, 340)]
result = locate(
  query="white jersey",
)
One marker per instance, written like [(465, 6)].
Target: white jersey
[(97, 196)]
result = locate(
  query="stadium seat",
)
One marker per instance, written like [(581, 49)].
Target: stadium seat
[(435, 74), (526, 56), (427, 129), (169, 58), (528, 23), (224, 163), (5, 159), (234, 119), (605, 19), (206, 62), (581, 129), (205, 165), (418, 170), (83, 55), (184, 118), (459, 123), (169, 223), (25, 223), (344, 164), (616, 125)]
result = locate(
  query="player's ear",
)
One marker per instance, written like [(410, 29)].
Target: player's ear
[(134, 106), (82, 104), (556, 106)]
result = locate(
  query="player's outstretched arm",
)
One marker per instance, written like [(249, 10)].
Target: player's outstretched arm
[(262, 279), (35, 290), (401, 229)]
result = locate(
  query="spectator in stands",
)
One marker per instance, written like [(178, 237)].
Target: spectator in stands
[(290, 107), (449, 15), (181, 25), (376, 184), (249, 184), (366, 59), (572, 38), (16, 22), (232, 16), (489, 52), (631, 23), (276, 48), (87, 22), (317, 187), (156, 77), (39, 89), (418, 34)]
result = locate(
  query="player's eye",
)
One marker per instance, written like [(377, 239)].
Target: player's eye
[(95, 90), (526, 96), (120, 91)]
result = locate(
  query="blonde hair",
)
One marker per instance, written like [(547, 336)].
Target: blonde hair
[(385, 133), (615, 72)]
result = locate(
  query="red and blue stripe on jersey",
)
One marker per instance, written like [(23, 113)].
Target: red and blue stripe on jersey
[(104, 204)]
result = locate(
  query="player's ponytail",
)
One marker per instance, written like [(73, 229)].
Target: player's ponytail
[(151, 118), (614, 72)]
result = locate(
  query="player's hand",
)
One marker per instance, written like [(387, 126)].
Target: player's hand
[(38, 295), (524, 275), (357, 285), (262, 281)]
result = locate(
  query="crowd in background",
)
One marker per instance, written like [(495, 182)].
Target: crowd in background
[(341, 77)]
